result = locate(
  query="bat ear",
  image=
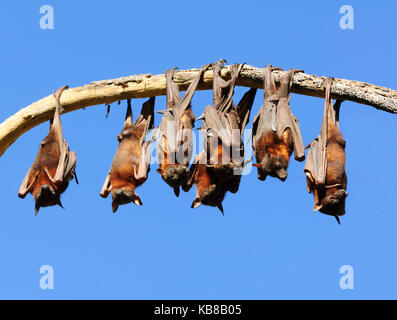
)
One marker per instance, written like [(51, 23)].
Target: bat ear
[(220, 207), (36, 209), (176, 191), (136, 200), (115, 206), (196, 203)]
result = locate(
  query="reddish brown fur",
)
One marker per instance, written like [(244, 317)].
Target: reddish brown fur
[(209, 191), (273, 153), (41, 180), (126, 173), (333, 199)]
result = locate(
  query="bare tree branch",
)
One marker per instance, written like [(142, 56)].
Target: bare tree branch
[(141, 86)]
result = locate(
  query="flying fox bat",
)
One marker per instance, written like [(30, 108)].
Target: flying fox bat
[(53, 167), (218, 169), (131, 163), (325, 165), (276, 132), (175, 146)]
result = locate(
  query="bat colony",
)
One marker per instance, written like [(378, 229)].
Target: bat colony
[(217, 169)]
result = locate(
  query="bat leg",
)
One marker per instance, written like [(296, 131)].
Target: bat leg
[(337, 219), (176, 191)]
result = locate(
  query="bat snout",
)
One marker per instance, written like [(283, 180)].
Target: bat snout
[(282, 174), (175, 176), (46, 196), (124, 196)]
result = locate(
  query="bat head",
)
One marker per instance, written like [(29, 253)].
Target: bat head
[(334, 202), (175, 175), (46, 196), (274, 166), (124, 196), (211, 195)]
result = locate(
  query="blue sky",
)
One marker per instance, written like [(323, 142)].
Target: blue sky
[(270, 244)]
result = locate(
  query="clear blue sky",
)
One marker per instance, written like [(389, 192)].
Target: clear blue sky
[(270, 244)]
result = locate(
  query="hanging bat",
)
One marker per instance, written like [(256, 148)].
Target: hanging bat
[(325, 165), (276, 132), (131, 163), (209, 191), (53, 167), (175, 146), (219, 168)]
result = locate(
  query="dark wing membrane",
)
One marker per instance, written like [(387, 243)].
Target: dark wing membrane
[(173, 97), (285, 118), (316, 164), (244, 108), (187, 98), (146, 118)]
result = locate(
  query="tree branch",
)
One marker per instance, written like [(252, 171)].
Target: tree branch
[(141, 86)]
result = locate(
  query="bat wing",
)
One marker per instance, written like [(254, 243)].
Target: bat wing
[(67, 159), (187, 98), (244, 108), (265, 121), (107, 188), (316, 163), (199, 159), (173, 97), (146, 118), (218, 125), (285, 118), (225, 103), (26, 186)]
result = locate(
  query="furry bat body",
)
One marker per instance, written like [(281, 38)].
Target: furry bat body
[(53, 167), (325, 165), (131, 162), (276, 132), (218, 169), (175, 145)]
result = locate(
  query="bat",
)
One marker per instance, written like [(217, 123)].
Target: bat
[(218, 168), (275, 131), (131, 163), (54, 166), (175, 146), (325, 166)]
